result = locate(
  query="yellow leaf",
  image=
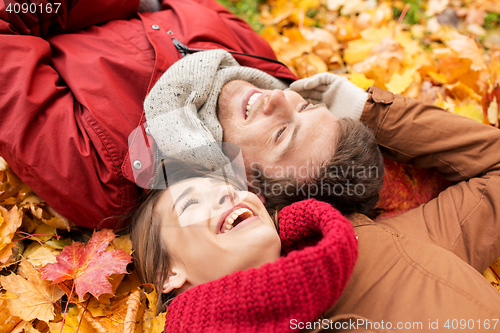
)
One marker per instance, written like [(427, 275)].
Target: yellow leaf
[(7, 320), (123, 242), (34, 297), (399, 82), (10, 220), (72, 323), (361, 81), (462, 91), (467, 48), (359, 49), (493, 112), (492, 278), (470, 111), (151, 322), (6, 257), (46, 230), (40, 255)]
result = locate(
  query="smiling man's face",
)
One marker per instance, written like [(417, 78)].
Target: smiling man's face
[(276, 129)]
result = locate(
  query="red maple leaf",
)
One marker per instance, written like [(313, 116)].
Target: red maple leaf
[(88, 265)]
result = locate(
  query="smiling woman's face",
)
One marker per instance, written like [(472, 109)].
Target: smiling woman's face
[(210, 229), (277, 129)]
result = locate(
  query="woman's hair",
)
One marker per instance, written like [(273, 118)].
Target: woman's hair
[(151, 256), (152, 260)]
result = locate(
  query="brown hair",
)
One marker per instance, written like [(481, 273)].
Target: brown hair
[(152, 260), (356, 152)]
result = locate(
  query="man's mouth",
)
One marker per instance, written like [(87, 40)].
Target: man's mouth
[(234, 217), (251, 101)]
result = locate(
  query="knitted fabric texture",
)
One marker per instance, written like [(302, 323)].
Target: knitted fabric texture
[(301, 285), (181, 109)]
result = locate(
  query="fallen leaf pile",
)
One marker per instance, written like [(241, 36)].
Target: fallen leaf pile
[(56, 277)]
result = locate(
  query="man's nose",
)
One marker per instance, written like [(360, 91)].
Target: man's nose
[(277, 104)]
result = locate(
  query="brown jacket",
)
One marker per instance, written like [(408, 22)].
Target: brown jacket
[(420, 270)]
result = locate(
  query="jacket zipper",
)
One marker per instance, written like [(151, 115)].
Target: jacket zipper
[(184, 51)]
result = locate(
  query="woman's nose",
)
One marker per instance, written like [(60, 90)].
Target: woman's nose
[(226, 195)]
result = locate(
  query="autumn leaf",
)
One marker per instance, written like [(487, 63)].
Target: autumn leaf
[(153, 323), (32, 298), (73, 323), (40, 255), (88, 265), (10, 221), (407, 187), (7, 320)]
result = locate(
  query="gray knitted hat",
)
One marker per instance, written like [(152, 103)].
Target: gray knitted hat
[(181, 107)]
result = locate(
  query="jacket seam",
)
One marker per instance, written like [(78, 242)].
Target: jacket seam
[(471, 213), (422, 270), (117, 168)]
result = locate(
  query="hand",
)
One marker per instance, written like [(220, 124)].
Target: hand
[(343, 98)]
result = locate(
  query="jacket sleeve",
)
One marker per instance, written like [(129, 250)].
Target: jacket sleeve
[(300, 286), (465, 218), (44, 135)]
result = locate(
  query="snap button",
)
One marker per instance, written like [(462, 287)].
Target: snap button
[(156, 27), (148, 131), (137, 165)]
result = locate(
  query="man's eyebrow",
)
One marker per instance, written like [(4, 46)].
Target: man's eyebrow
[(289, 145), (316, 106), (182, 195)]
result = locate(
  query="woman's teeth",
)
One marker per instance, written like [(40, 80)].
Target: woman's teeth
[(234, 215), (251, 100)]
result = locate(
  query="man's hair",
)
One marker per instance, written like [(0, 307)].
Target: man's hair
[(350, 180)]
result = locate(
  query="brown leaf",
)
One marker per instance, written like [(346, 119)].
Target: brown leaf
[(133, 305), (34, 297)]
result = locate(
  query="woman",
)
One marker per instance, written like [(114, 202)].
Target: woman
[(215, 248)]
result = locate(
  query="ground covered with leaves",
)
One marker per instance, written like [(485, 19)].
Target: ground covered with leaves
[(56, 277)]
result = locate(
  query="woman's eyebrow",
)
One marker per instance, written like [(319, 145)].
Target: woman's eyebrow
[(182, 195)]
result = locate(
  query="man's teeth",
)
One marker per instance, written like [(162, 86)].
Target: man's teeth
[(251, 100), (234, 215)]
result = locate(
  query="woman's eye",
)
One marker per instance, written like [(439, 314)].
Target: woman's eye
[(304, 107), (189, 202)]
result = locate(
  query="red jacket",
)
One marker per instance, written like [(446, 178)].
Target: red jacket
[(283, 295), (70, 97)]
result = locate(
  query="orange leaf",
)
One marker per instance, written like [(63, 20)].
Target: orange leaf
[(88, 265)]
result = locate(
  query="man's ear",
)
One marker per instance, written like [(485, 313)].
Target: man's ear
[(176, 279)]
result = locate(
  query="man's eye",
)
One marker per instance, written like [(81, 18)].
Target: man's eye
[(304, 107), (279, 133), (189, 202)]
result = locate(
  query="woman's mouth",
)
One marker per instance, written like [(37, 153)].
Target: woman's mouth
[(234, 217)]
